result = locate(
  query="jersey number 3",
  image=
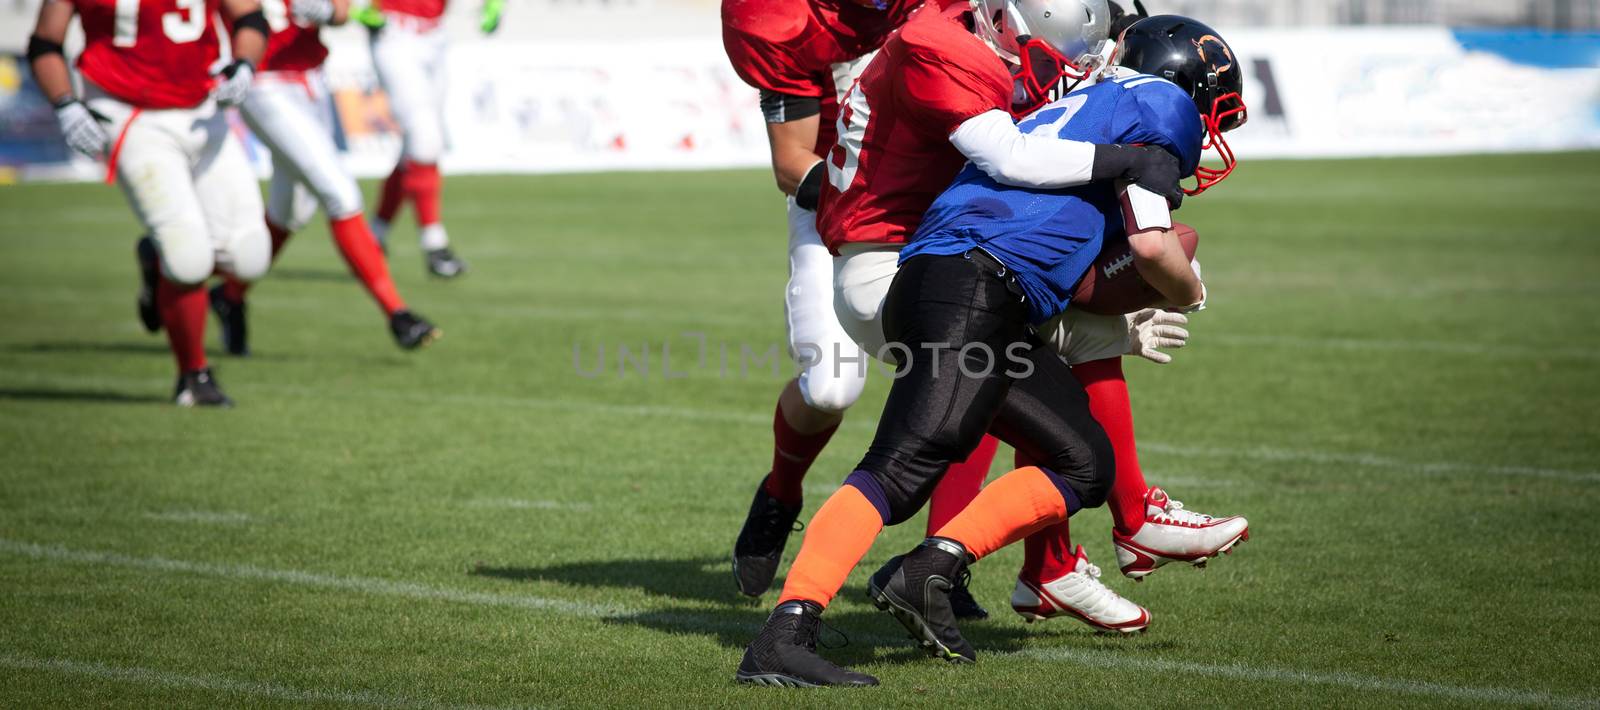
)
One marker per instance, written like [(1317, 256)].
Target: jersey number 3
[(183, 25), (845, 157)]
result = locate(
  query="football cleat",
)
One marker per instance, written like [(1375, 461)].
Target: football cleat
[(411, 331), (760, 545), (784, 654), (199, 389), (1173, 534), (915, 589), (235, 335), (962, 602), (149, 258), (1079, 594), (443, 263)]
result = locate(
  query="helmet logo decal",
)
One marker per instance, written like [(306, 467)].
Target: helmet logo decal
[(1200, 46)]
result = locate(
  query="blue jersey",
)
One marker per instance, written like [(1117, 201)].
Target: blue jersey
[(1050, 238)]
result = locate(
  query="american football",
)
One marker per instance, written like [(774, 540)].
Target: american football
[(678, 353), (1114, 286)]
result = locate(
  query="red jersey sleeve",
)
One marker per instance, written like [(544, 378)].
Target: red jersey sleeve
[(760, 37), (942, 94)]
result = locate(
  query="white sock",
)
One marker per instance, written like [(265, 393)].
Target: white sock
[(434, 237)]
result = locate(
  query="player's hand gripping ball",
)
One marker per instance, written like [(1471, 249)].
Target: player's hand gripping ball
[(1114, 287)]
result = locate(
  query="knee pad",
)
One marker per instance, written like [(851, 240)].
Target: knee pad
[(424, 143), (833, 386), (898, 498), (187, 257), (250, 252), (1088, 475)]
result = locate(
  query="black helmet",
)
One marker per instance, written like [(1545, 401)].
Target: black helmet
[(1190, 54)]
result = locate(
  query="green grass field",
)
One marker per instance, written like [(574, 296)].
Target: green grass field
[(1396, 381)]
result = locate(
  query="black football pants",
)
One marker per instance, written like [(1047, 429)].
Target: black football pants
[(968, 364)]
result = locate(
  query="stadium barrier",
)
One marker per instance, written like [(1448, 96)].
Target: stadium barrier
[(530, 107)]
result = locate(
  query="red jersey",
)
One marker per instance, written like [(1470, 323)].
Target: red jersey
[(150, 53), (790, 46), (426, 9), (894, 154), (291, 46)]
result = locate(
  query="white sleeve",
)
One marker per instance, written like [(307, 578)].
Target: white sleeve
[(993, 143)]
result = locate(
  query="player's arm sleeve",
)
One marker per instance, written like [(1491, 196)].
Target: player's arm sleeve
[(778, 107), (992, 142)]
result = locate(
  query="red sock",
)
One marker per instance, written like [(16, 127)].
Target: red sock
[(393, 192), (960, 484), (1108, 402), (232, 288), (422, 187), (1048, 553), (792, 455), (183, 315), (361, 253)]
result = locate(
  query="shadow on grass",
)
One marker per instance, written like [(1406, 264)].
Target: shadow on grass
[(157, 345), (710, 580), (58, 395)]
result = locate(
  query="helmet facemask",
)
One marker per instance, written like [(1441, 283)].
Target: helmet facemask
[(1044, 74), (1049, 49), (1227, 113)]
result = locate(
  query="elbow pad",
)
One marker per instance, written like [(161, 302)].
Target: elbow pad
[(252, 21), (783, 108), (39, 47)]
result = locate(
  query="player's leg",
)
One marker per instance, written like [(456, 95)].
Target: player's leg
[(153, 171), (862, 276), (937, 411), (833, 373), (231, 202), (1150, 528), (410, 64)]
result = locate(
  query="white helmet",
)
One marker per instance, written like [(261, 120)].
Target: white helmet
[(1054, 45), (1071, 28)]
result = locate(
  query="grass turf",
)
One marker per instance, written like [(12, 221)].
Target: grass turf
[(1396, 381)]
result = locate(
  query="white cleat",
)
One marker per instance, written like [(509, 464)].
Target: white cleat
[(1079, 594), (1173, 534)]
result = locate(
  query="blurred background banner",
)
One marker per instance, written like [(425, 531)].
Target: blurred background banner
[(579, 85)]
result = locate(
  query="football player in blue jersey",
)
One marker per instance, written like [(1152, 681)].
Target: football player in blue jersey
[(992, 262)]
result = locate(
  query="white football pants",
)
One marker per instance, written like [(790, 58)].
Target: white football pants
[(833, 369), (409, 56), (863, 272), (191, 186), (291, 114)]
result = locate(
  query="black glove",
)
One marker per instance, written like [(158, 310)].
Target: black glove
[(810, 189), (1147, 166)]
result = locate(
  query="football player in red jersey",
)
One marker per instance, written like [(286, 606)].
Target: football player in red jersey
[(939, 94), (289, 111), (151, 110), (408, 51), (801, 55)]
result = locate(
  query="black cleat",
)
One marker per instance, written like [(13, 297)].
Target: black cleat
[(963, 604), (199, 389), (760, 545), (235, 335), (149, 271), (443, 263), (915, 588), (784, 654), (411, 331)]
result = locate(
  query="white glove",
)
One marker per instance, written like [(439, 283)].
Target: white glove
[(1150, 330), (82, 129), (311, 12), (233, 83)]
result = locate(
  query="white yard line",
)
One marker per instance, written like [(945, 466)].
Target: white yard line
[(367, 585), (690, 622), (261, 689), (524, 504), (211, 517), (1353, 681)]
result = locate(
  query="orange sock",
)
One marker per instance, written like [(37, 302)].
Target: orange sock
[(1013, 507), (838, 536)]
